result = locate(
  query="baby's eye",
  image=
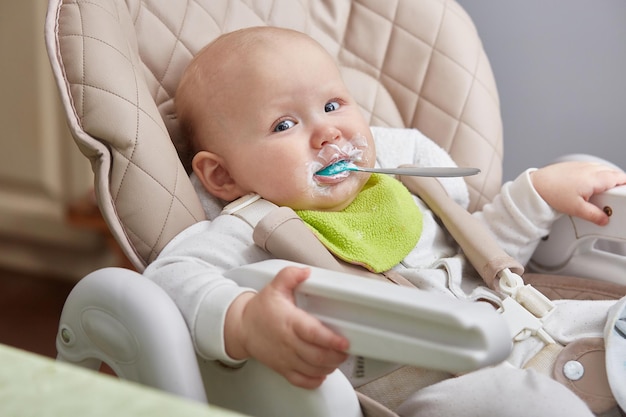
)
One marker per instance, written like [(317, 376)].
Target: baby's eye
[(331, 106), (284, 125)]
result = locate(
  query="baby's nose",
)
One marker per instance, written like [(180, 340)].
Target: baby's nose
[(328, 134)]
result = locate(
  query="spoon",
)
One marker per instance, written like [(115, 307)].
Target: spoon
[(342, 166)]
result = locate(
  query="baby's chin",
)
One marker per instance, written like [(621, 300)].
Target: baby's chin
[(337, 196)]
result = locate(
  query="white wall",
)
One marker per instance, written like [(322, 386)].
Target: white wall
[(560, 67)]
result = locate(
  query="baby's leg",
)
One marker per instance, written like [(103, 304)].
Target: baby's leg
[(572, 320), (501, 390), (575, 319)]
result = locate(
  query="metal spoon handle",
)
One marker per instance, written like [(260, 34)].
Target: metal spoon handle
[(425, 171)]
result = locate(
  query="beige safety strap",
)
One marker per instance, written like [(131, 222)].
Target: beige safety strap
[(477, 243), (281, 232), (250, 208)]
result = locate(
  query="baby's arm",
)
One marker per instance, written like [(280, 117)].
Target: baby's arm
[(568, 186), (269, 327), (525, 209), (191, 267)]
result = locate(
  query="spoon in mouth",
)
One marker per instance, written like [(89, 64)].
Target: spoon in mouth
[(342, 166)]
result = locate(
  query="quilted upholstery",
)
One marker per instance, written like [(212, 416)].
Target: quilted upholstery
[(411, 63)]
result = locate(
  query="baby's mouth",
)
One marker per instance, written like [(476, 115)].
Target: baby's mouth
[(331, 174), (337, 167), (338, 162)]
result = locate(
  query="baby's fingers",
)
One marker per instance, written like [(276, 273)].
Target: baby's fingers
[(592, 213), (304, 381), (312, 331), (319, 352)]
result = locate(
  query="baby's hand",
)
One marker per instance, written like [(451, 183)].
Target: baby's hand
[(568, 186), (270, 328)]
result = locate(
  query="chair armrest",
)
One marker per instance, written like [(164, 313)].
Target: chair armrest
[(396, 324), (121, 318), (581, 248)]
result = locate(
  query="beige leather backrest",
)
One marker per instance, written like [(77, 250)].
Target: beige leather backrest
[(409, 63)]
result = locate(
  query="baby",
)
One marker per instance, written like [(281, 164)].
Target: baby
[(265, 109)]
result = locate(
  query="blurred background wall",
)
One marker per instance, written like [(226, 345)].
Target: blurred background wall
[(560, 67)]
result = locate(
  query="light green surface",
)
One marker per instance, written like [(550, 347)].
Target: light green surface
[(32, 385)]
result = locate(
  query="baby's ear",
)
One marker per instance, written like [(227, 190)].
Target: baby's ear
[(214, 176)]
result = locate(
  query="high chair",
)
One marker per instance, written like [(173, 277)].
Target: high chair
[(409, 63)]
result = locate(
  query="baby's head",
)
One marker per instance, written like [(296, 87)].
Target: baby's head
[(265, 109)]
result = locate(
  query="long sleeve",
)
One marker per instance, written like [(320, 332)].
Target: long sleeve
[(190, 269), (518, 217)]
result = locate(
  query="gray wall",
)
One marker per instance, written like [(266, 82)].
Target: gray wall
[(560, 67)]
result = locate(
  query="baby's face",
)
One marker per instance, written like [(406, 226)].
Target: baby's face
[(289, 118)]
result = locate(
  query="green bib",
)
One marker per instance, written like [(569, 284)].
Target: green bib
[(377, 230)]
